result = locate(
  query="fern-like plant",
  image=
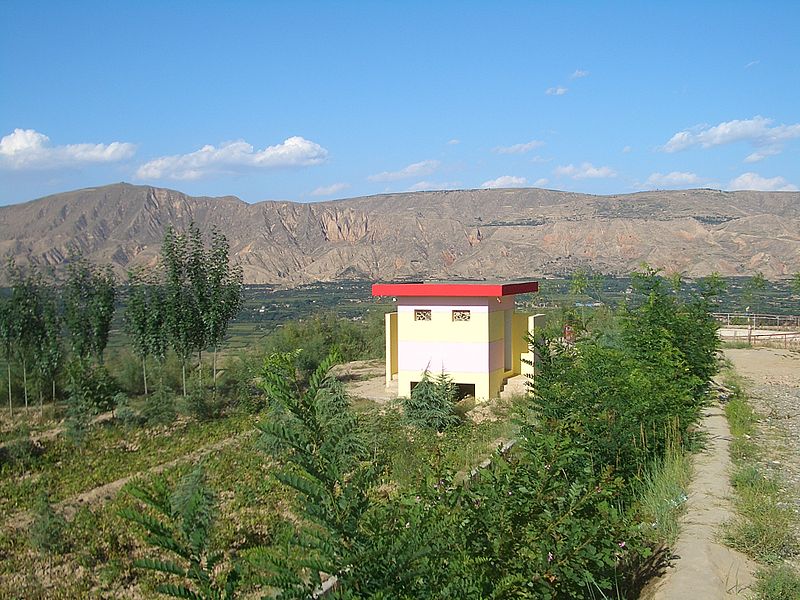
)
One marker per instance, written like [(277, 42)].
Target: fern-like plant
[(373, 548), (179, 522)]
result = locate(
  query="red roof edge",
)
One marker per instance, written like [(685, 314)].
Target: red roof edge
[(485, 290)]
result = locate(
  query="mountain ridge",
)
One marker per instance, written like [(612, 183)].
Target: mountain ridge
[(504, 233)]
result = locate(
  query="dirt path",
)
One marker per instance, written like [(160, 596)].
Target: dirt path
[(108, 491), (703, 567), (706, 568)]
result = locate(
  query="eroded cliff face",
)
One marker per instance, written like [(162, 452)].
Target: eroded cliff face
[(454, 234)]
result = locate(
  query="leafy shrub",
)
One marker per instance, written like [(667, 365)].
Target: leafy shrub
[(201, 404), (318, 337), (180, 522), (159, 407), (127, 370), (125, 413), (432, 403), (90, 386), (46, 533), (547, 523)]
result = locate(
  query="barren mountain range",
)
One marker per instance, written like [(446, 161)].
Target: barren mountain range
[(505, 233)]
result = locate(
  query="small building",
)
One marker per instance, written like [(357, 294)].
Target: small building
[(468, 330)]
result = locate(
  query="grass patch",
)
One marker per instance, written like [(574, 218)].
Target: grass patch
[(663, 497), (778, 582), (763, 527)]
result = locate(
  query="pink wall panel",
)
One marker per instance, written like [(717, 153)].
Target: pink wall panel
[(450, 356)]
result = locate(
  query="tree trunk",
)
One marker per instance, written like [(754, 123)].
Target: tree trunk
[(25, 383), (200, 367), (215, 371), (144, 373), (54, 395), (41, 400), (183, 370), (10, 406)]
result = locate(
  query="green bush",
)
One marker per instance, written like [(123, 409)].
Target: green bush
[(159, 407), (432, 403), (127, 370), (125, 413)]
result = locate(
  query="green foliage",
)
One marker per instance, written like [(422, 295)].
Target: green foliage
[(201, 405), (159, 407), (321, 335), (432, 403), (317, 439), (20, 452), (202, 292), (779, 582), (125, 413), (546, 522), (796, 283), (180, 523), (145, 318), (46, 532), (89, 294)]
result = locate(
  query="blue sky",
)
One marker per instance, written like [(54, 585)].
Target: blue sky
[(318, 100)]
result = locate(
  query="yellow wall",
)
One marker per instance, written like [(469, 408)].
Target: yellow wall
[(391, 346)]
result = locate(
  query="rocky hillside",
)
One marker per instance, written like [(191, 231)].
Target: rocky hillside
[(451, 234)]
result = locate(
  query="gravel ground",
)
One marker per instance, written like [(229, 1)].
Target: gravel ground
[(773, 378)]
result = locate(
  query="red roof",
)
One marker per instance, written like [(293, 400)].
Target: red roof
[(454, 289)]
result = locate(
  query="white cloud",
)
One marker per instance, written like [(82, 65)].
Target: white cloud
[(673, 179), (752, 63), (757, 131), (418, 169), (518, 148), (541, 182), (579, 73), (556, 91), (433, 185), (585, 171), (232, 156), (505, 181), (761, 154), (29, 149), (329, 190), (754, 181), (627, 150), (540, 159), (453, 142)]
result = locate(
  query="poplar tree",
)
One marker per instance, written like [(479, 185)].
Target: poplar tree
[(145, 318), (89, 295), (26, 319), (202, 293), (51, 352), (224, 293), (180, 313), (8, 336)]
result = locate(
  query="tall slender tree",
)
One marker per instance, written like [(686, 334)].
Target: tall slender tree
[(144, 318), (27, 315), (51, 352), (8, 336), (224, 293), (203, 293), (89, 295)]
